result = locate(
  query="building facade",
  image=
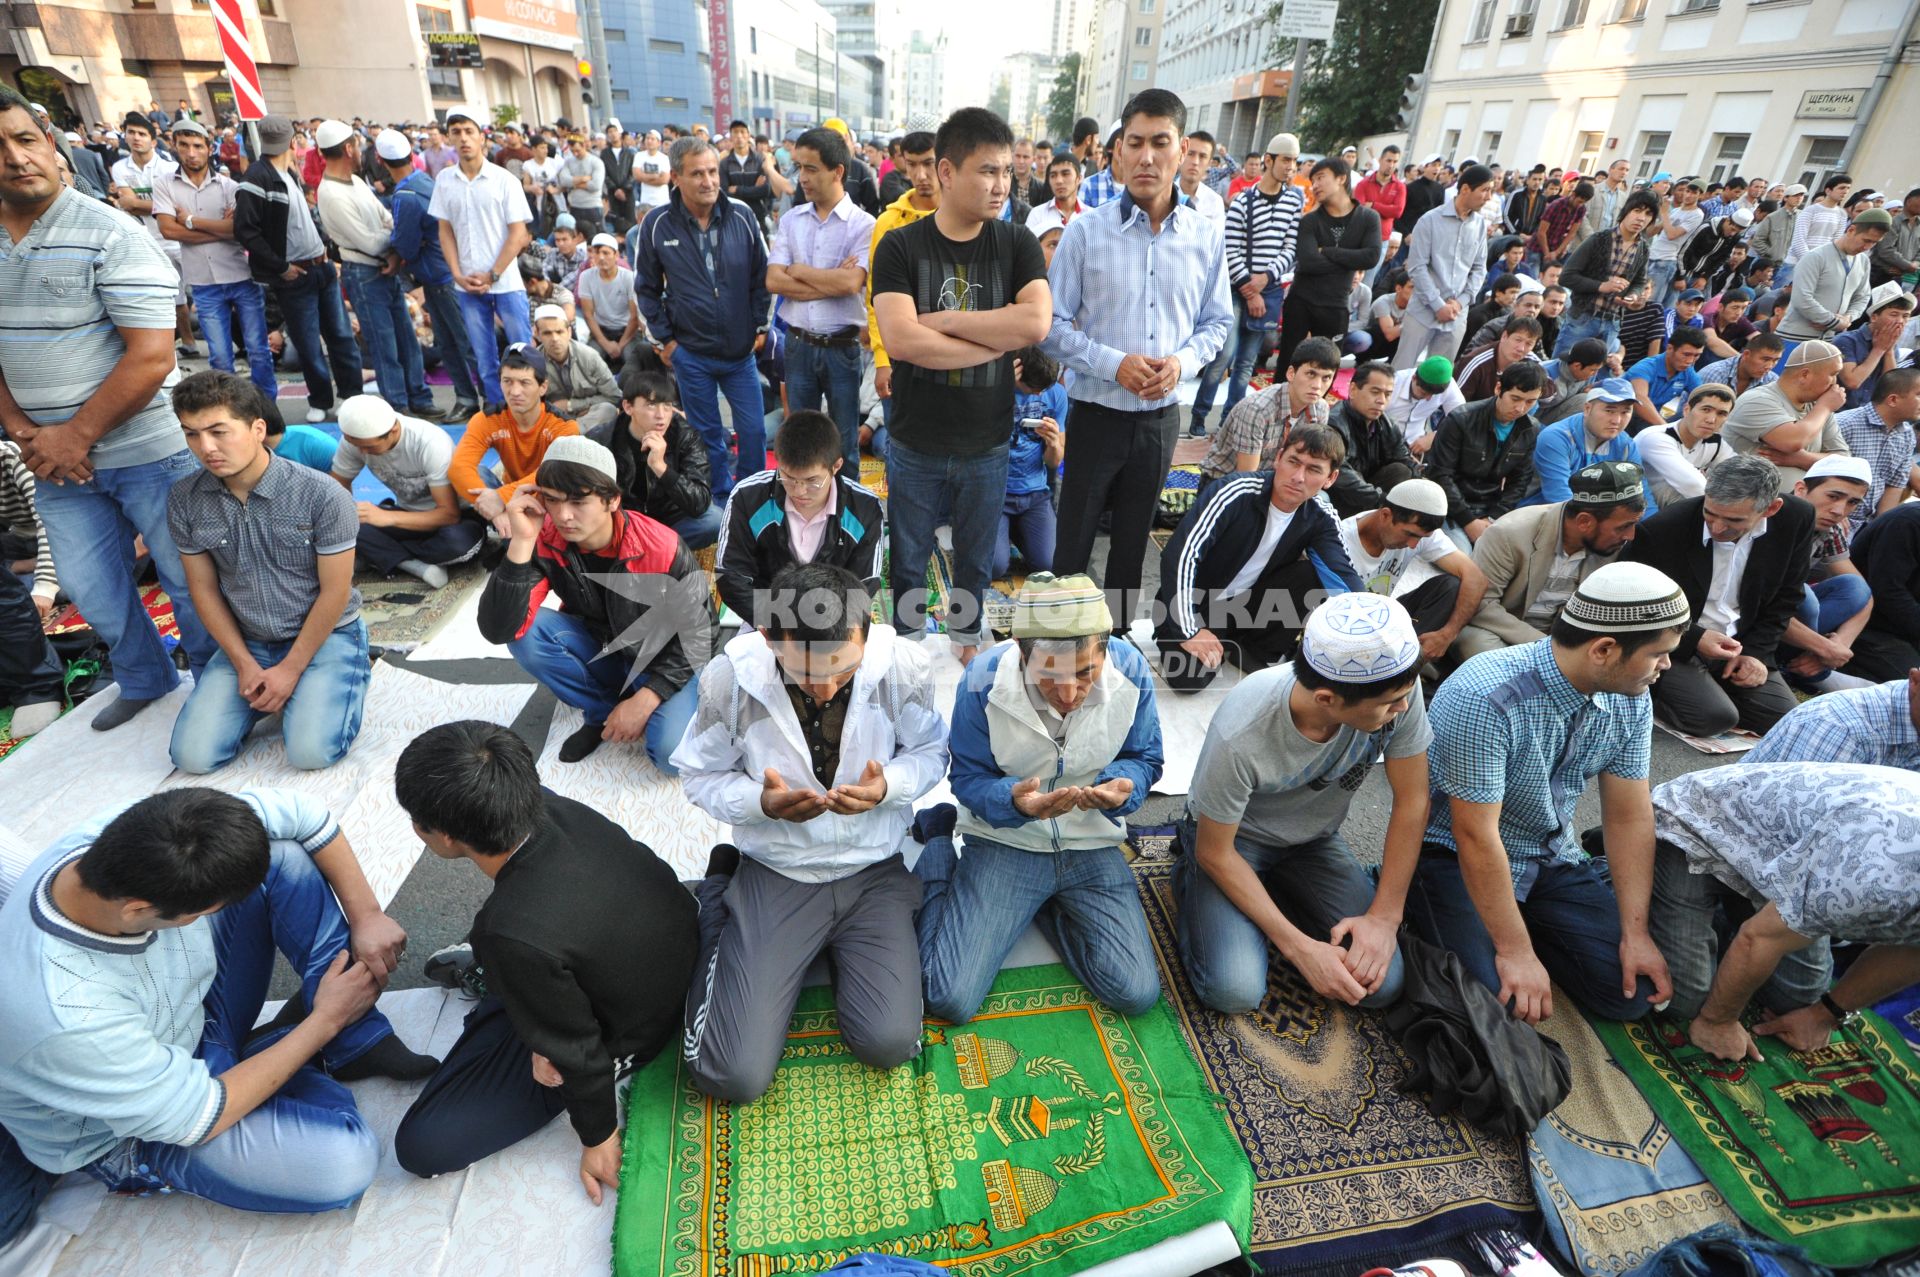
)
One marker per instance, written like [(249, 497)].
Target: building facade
[(1122, 53), (1786, 91), (1217, 55), (874, 33), (659, 62), (1028, 81), (926, 80)]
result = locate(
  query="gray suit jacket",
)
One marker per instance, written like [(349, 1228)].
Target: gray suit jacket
[(1516, 554)]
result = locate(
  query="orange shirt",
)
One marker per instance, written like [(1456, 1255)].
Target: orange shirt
[(519, 451)]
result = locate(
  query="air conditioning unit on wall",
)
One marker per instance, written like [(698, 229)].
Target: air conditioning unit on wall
[(1519, 24)]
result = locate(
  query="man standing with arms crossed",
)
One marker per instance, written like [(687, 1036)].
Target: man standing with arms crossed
[(1384, 193), (1447, 262), (1130, 358), (483, 226)]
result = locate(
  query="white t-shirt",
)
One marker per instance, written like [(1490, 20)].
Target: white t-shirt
[(141, 181), (411, 468), (481, 209), (1665, 249), (1277, 521), (1381, 574), (651, 196)]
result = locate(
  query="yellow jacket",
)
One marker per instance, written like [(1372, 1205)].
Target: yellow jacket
[(899, 213)]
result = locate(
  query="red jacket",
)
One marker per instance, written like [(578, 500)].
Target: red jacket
[(1389, 200)]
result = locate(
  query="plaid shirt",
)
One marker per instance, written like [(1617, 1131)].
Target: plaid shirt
[(1868, 725), (1557, 223), (1509, 728), (1621, 264), (1889, 452), (1258, 424), (1098, 189)]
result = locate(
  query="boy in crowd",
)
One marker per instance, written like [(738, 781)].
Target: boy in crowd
[(580, 387), (805, 510), (518, 436), (1038, 446), (1598, 434), (581, 954), (1678, 456), (606, 301), (418, 530), (1482, 453), (813, 739), (662, 462), (1258, 425), (136, 953), (625, 656), (268, 551), (1047, 849), (1264, 862), (1385, 543)]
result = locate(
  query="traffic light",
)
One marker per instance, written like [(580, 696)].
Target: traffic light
[(1409, 100), (586, 80)]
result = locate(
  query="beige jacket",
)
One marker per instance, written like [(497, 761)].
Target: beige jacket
[(1516, 553)]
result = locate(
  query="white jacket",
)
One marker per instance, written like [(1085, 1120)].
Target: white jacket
[(745, 724)]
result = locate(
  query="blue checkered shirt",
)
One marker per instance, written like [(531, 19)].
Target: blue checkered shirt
[(1889, 452), (1867, 725), (1119, 289), (1099, 189), (1509, 728)]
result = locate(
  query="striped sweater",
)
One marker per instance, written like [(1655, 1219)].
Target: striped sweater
[(1262, 233), (18, 515)]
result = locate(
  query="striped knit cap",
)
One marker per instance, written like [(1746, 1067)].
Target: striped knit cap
[(1060, 607), (1626, 598)]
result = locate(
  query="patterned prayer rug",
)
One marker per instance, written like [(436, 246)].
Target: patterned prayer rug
[(402, 613), (68, 620), (1349, 1173), (1817, 1148), (1611, 1180), (1044, 1137), (1902, 1011)]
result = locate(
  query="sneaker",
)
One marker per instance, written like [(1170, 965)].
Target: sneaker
[(315, 416), (455, 967)]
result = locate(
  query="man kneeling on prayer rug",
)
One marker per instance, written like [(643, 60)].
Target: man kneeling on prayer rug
[(813, 739)]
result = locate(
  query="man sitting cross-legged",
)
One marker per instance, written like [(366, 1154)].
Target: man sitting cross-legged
[(1517, 735), (581, 956), (1056, 740), (1265, 862), (134, 958), (268, 549), (1385, 543), (814, 737), (419, 530), (635, 613)]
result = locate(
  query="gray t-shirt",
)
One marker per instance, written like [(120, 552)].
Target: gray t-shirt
[(1258, 772), (411, 468), (612, 298), (1764, 409)]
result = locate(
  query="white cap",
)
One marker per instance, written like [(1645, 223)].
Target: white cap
[(1423, 495), (548, 310), (392, 144), (367, 417), (1742, 217), (1360, 638), (1626, 598), (1886, 294), (1836, 466), (1528, 284), (331, 133), (583, 451), (604, 240)]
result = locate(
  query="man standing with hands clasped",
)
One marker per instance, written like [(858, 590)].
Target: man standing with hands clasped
[(1447, 261), (1130, 357), (483, 217)]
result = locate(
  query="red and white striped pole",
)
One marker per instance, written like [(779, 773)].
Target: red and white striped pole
[(230, 16)]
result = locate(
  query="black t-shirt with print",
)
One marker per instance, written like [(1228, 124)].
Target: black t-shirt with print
[(962, 412)]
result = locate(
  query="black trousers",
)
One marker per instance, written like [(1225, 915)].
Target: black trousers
[(1881, 655), (480, 1100), (1431, 603), (1301, 319), (1116, 462), (1257, 629), (30, 672)]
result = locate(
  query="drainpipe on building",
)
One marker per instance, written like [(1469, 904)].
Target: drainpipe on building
[(1875, 91)]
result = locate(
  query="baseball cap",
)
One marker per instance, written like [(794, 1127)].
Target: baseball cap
[(1435, 158), (1691, 295), (331, 133), (582, 451), (1435, 372), (1611, 390), (604, 240), (392, 144), (1605, 483), (366, 417), (1870, 218), (532, 354), (1284, 144), (276, 134), (1663, 177)]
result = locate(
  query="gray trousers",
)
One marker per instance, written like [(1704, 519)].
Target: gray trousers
[(1681, 920), (1420, 337), (760, 931), (1698, 701)]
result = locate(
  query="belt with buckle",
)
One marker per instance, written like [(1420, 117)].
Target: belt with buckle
[(839, 337)]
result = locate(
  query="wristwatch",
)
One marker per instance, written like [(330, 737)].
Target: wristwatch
[(187, 218), (1842, 1018)]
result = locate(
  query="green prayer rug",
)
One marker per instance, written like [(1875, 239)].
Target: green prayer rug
[(1817, 1148), (1047, 1135)]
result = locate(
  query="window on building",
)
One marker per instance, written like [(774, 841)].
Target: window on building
[(1481, 26), (656, 45), (616, 35), (1631, 11), (670, 104), (1450, 141), (1653, 153), (443, 83), (621, 95), (1727, 152), (1139, 70), (1573, 14), (1489, 145), (1588, 147), (1698, 6), (753, 39), (1143, 36), (1823, 160), (1146, 6)]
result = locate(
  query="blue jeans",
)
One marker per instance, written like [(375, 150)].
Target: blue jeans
[(318, 724), (307, 1149), (1570, 912), (702, 381), (1825, 606), (703, 529), (921, 489), (1660, 277), (91, 527), (977, 905), (1316, 884), (1580, 327), (1027, 517), (455, 346), (316, 319), (479, 310), (828, 375), (210, 302), (1211, 376), (564, 657), (381, 303)]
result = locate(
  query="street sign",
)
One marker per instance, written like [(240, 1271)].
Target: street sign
[(1307, 19), (455, 50), (230, 16)]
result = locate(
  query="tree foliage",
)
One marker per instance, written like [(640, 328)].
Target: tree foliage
[(1000, 98), (1060, 114), (1353, 82)]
